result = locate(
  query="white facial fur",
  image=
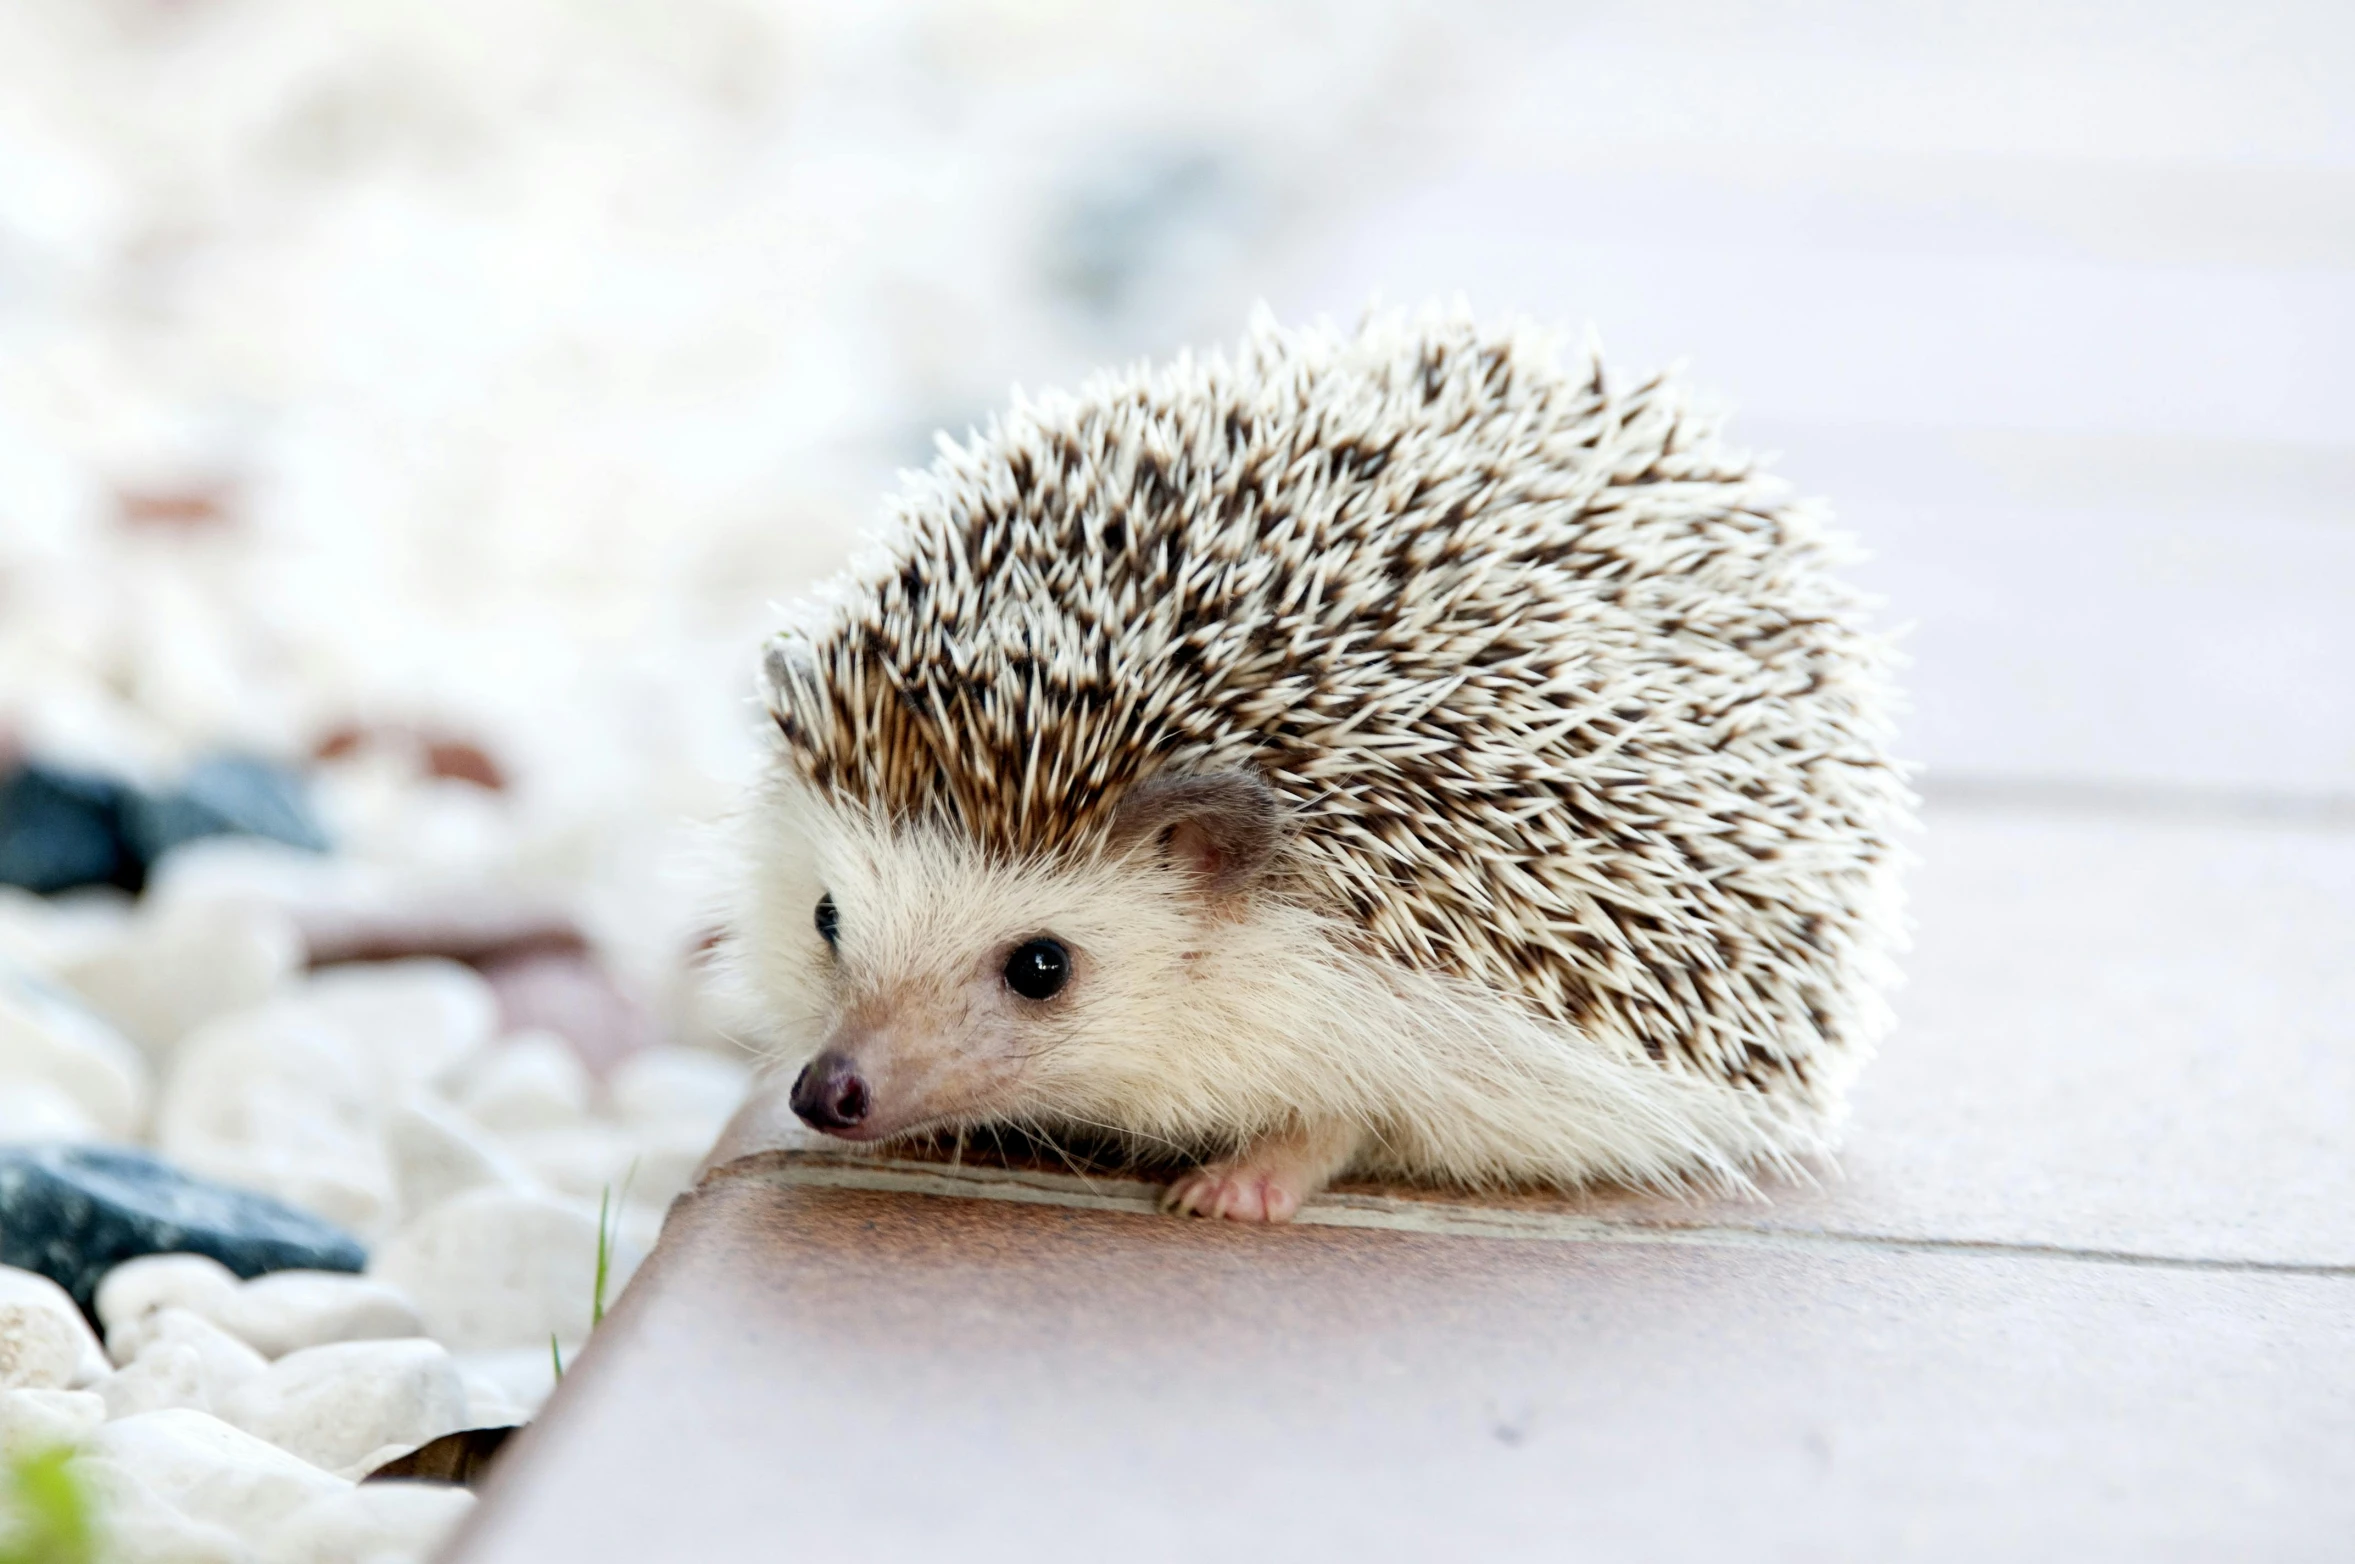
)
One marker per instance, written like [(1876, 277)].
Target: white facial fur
[(913, 990), (1190, 1023)]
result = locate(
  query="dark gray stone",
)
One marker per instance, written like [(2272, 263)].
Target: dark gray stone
[(61, 828), (73, 1213), (227, 795)]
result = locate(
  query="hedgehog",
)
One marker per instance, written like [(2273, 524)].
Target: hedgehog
[(1382, 752)]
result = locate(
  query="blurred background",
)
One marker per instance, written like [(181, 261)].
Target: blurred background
[(439, 401)]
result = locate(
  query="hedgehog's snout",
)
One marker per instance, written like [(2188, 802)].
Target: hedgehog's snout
[(830, 1094)]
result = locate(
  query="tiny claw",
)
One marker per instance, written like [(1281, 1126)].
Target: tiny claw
[(1231, 1194), (1268, 1181)]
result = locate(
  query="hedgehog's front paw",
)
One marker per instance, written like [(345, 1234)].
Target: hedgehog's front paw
[(1266, 1183), (1239, 1193)]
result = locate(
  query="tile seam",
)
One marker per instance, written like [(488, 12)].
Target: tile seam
[(1439, 1219)]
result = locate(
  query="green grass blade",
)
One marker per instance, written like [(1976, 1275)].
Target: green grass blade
[(52, 1512), (604, 1258), (608, 1230)]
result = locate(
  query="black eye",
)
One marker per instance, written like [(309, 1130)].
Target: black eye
[(1038, 968), (829, 921)]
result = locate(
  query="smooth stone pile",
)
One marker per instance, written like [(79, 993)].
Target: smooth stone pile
[(368, 1211)]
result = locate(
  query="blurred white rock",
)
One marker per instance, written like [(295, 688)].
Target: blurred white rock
[(206, 1470), (136, 1289), (183, 1360), (254, 871), (489, 1404), (33, 1110), (28, 936), (438, 1152), (499, 1268), (282, 1100), (143, 1527), (414, 1019), (45, 1344), (523, 1376), (340, 1404), (682, 1090), (374, 1523), (288, 1311), (43, 933), (164, 1376), (44, 1419), (588, 1160), (379, 809), (175, 969), (50, 1037), (532, 1080), (273, 1314)]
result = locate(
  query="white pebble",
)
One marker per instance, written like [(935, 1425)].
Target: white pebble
[(338, 1404), (44, 1342), (497, 1268), (415, 1019), (488, 1401), (288, 1311), (48, 1036), (179, 968), (161, 1376), (36, 1111), (438, 1152), (208, 1471), (164, 1376), (279, 1100), (531, 1081), (136, 1289), (143, 1527), (35, 1420), (585, 1159), (44, 933), (184, 1360), (523, 1377), (375, 1523), (274, 1314), (214, 871), (28, 937), (681, 1089)]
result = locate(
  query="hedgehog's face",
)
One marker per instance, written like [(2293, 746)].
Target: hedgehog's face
[(929, 985)]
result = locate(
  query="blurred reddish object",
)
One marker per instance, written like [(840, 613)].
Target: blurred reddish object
[(195, 507), (570, 993), (442, 755), (478, 928), (464, 762)]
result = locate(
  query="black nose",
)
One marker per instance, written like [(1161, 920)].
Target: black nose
[(828, 1093)]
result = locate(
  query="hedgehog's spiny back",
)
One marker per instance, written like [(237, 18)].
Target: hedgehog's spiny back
[(1561, 691)]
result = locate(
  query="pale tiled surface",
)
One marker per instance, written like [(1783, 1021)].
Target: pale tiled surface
[(844, 1374), (2134, 1035)]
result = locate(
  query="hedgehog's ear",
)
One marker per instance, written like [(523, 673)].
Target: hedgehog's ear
[(1223, 827)]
